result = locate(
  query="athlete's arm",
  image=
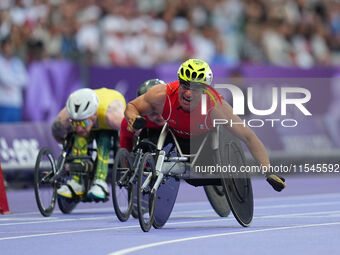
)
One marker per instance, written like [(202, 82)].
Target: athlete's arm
[(244, 133), (115, 114), (152, 101), (61, 126), (126, 137)]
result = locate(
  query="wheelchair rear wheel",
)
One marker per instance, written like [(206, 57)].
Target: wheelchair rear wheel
[(44, 189), (145, 197), (237, 185), (122, 190)]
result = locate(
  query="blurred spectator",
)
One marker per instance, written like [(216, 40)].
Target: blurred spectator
[(13, 78), (36, 50), (228, 17), (68, 44), (251, 48), (204, 44), (88, 35), (156, 44), (276, 43), (5, 23)]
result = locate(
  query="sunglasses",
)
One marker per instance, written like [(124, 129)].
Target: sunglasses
[(82, 123), (187, 85)]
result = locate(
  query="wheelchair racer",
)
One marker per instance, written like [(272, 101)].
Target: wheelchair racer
[(91, 114), (179, 104), (154, 122)]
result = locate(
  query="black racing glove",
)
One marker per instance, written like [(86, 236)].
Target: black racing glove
[(277, 182)]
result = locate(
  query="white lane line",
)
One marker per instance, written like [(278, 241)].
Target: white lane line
[(291, 198), (115, 218), (169, 223), (275, 199), (265, 207), (25, 218), (145, 246), (175, 213), (303, 197), (296, 205), (66, 232), (82, 210), (289, 215), (104, 229), (298, 214), (58, 220)]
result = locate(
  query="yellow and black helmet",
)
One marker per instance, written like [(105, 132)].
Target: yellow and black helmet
[(195, 71)]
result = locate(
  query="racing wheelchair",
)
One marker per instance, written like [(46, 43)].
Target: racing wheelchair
[(125, 175), (50, 174), (160, 171)]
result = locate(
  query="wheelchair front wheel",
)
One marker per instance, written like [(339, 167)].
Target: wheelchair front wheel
[(122, 190), (145, 198), (217, 199), (44, 189), (66, 205)]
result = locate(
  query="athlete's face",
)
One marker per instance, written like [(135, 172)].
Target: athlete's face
[(156, 118), (189, 98), (83, 127)]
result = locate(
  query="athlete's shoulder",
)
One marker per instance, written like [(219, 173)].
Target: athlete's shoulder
[(158, 90), (109, 93), (102, 90), (155, 96), (106, 90), (173, 85)]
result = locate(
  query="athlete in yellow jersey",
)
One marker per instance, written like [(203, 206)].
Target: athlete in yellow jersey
[(91, 114)]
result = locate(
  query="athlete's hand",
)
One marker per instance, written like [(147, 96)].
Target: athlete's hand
[(277, 182), (138, 123), (130, 123)]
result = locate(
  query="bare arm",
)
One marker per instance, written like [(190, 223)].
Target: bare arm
[(115, 114), (244, 133), (61, 126), (151, 101)]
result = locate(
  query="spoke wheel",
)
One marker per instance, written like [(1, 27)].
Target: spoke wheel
[(122, 191), (45, 190), (145, 198)]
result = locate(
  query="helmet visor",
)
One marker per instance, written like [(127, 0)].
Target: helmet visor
[(82, 123), (189, 85)]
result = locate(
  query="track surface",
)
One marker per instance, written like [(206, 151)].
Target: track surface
[(303, 219)]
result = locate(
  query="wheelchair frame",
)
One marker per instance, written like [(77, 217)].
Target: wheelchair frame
[(176, 167)]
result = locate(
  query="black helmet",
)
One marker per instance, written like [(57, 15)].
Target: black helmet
[(145, 86)]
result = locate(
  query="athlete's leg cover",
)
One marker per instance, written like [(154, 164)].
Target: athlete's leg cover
[(79, 149), (103, 139)]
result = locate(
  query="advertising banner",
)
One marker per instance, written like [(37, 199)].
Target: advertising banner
[(20, 144)]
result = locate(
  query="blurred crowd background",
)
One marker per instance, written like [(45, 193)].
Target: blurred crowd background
[(37, 35), (144, 33)]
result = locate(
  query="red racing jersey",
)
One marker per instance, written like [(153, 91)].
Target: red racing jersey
[(186, 124), (126, 137)]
